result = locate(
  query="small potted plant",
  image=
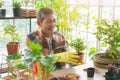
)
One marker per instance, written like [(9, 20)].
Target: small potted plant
[(113, 72), (13, 45), (16, 8), (17, 68), (79, 46), (110, 74)]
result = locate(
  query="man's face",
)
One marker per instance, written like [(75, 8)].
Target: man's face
[(48, 24)]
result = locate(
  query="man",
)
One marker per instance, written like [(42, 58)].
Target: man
[(51, 40)]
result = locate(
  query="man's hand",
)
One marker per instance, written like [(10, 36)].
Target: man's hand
[(67, 57)]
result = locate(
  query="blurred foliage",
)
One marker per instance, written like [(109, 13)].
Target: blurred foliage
[(12, 32), (109, 33), (68, 17)]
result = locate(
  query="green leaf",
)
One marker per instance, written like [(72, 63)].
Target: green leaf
[(92, 51), (15, 75), (48, 62), (20, 66), (14, 57)]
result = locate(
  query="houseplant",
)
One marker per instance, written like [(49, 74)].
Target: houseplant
[(16, 8), (38, 61), (79, 46), (113, 72), (17, 68), (108, 33), (13, 44)]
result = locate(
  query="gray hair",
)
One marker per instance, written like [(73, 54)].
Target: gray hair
[(42, 12)]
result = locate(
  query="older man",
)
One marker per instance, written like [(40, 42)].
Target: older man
[(51, 40)]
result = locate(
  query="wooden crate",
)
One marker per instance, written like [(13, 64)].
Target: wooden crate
[(28, 12)]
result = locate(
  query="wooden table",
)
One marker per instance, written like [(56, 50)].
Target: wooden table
[(83, 74)]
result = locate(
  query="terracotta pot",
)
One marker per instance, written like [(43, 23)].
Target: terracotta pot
[(13, 48), (81, 57)]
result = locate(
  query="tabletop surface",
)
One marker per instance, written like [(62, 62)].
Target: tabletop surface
[(80, 71), (83, 74)]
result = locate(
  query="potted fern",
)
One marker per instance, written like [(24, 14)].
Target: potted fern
[(79, 46), (13, 44), (16, 8)]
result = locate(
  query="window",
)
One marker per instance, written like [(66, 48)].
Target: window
[(84, 27)]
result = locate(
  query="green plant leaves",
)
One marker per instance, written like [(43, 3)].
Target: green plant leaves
[(109, 34), (16, 4), (77, 44), (15, 63), (48, 62), (12, 32), (92, 51), (14, 57), (60, 7), (36, 54), (36, 50)]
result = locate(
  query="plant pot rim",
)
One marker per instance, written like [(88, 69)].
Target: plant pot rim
[(13, 43)]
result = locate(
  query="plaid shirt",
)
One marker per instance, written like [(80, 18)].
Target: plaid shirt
[(54, 44)]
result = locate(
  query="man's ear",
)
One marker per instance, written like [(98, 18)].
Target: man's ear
[(38, 23)]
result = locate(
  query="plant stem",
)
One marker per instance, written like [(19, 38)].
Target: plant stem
[(39, 70), (45, 74)]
